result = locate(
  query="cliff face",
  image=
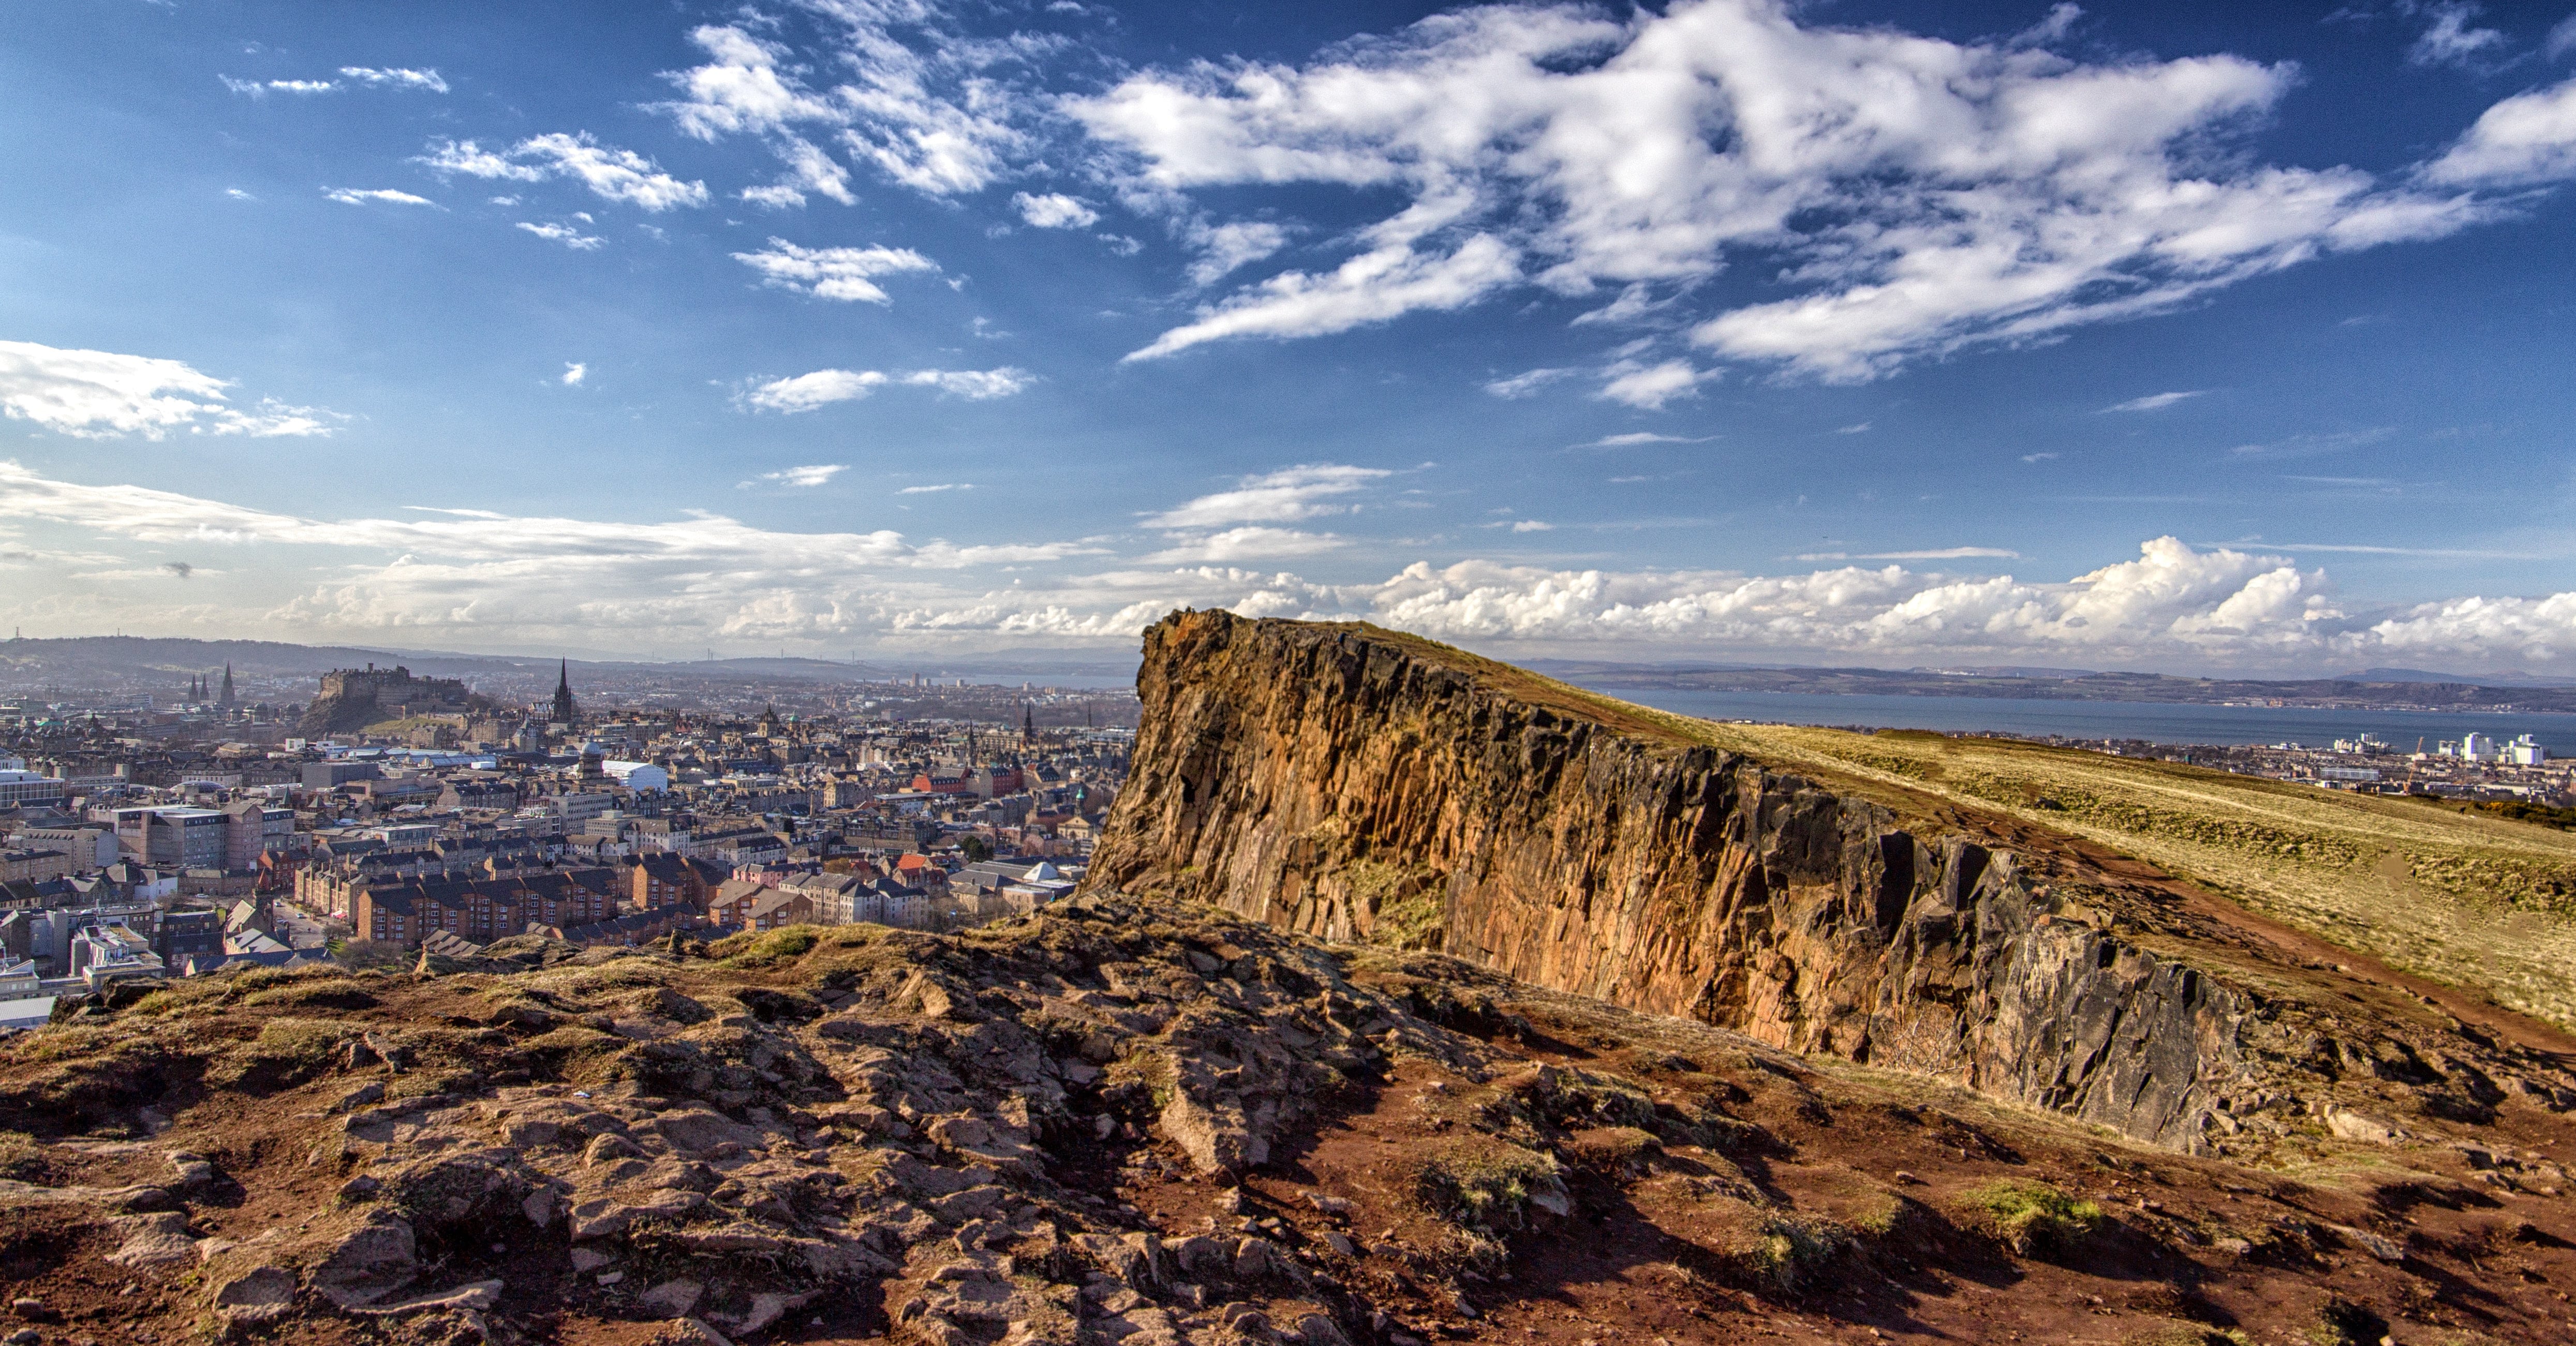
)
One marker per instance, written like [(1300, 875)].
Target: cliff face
[(1365, 786)]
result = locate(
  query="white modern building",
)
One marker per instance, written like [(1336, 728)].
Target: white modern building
[(636, 775)]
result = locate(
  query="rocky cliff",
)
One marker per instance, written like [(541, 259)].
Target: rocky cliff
[(1364, 785)]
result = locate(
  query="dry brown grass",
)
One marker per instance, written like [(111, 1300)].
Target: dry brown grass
[(2474, 901), (2470, 900)]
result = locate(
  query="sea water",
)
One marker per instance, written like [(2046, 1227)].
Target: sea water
[(2153, 721)]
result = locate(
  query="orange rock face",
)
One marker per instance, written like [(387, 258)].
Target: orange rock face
[(1361, 785)]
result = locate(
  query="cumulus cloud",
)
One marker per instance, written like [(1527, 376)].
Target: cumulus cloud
[(610, 173), (823, 387), (395, 78), (1649, 387), (574, 373), (846, 274), (356, 197), (2153, 401), (2526, 140), (479, 574), (563, 233), (1307, 491), (1054, 210), (801, 478), (1919, 196), (96, 394)]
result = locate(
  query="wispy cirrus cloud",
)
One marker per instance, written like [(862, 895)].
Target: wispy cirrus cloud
[(797, 478), (395, 77), (353, 196), (1933, 554), (2154, 401), (1633, 438)]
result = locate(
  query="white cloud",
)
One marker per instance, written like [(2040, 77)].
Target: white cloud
[(398, 77), (1651, 386), (95, 394), (1525, 384), (1918, 196), (610, 173), (1862, 427), (2154, 401), (238, 194), (936, 489), (1307, 491), (1373, 287), (798, 478), (833, 273), (255, 88), (1251, 542), (2562, 39), (1937, 554), (923, 105), (2525, 140), (2450, 40), (563, 233), (471, 159), (357, 197), (2309, 446), (975, 385), (1632, 438), (1223, 248), (823, 387), (1054, 210), (1532, 526), (574, 373), (487, 578)]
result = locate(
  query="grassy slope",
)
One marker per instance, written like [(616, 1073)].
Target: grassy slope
[(2470, 900)]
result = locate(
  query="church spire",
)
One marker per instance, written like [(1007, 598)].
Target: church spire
[(224, 699), (566, 710)]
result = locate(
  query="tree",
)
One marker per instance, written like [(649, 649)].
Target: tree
[(975, 848)]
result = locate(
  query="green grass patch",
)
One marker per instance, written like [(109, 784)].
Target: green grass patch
[(2033, 1217)]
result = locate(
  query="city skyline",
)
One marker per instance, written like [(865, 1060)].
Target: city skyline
[(2182, 340)]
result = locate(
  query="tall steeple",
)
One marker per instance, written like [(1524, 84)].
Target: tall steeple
[(224, 699), (566, 710)]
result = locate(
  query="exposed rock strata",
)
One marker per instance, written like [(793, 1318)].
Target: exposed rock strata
[(1359, 785)]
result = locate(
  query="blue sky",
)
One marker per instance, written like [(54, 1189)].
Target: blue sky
[(2171, 336)]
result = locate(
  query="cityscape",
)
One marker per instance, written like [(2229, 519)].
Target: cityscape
[(150, 841), (1122, 673)]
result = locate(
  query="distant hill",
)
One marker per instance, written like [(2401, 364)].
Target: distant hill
[(148, 663), (2470, 679)]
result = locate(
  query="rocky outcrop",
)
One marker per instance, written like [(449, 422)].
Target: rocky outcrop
[(1358, 784)]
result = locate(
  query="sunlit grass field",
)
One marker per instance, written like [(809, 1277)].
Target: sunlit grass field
[(2471, 900)]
